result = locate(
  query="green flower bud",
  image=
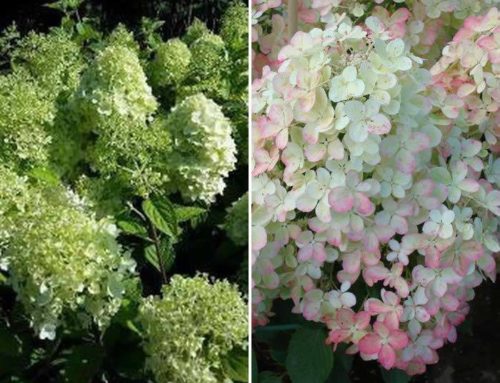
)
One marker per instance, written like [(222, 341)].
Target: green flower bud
[(170, 64)]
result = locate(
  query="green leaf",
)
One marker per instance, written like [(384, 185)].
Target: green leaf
[(269, 377), (309, 359), (45, 175), (83, 363), (132, 228), (167, 254), (151, 257), (162, 215), (394, 376), (235, 365), (186, 213), (65, 5), (342, 366)]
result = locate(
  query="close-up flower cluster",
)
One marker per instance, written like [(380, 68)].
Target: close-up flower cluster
[(375, 196)]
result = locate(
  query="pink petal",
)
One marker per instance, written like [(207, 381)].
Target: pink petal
[(401, 287), (305, 253), (345, 318), (387, 356), (398, 339), (374, 274), (259, 238), (319, 253), (352, 262), (364, 206), (379, 124), (370, 344), (315, 152), (362, 320), (341, 200), (375, 306), (338, 336)]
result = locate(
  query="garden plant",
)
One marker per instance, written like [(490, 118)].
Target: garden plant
[(375, 196), (123, 205)]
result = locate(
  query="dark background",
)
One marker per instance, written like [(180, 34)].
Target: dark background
[(178, 14)]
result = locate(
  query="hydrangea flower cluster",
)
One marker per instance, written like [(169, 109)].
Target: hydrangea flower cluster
[(43, 67), (375, 197), (115, 102), (61, 260), (203, 149), (191, 330), (171, 63)]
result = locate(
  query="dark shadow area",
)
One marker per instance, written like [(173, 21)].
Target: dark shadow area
[(474, 358), (178, 14)]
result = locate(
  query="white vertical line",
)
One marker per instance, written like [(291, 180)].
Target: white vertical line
[(250, 146)]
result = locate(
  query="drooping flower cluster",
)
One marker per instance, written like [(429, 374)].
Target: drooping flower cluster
[(192, 329), (374, 176), (60, 259)]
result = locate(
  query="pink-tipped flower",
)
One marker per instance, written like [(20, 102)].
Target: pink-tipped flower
[(383, 343)]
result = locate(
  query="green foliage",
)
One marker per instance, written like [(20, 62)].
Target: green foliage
[(235, 365), (237, 221), (192, 329), (309, 359)]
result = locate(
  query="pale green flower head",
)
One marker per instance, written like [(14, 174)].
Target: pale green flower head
[(234, 30), (203, 151), (237, 221), (122, 37), (54, 60), (24, 116), (197, 29), (59, 258), (115, 86), (170, 64), (116, 103), (192, 328), (207, 73)]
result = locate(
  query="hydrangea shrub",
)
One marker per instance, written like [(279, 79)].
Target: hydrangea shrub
[(375, 197), (119, 161)]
